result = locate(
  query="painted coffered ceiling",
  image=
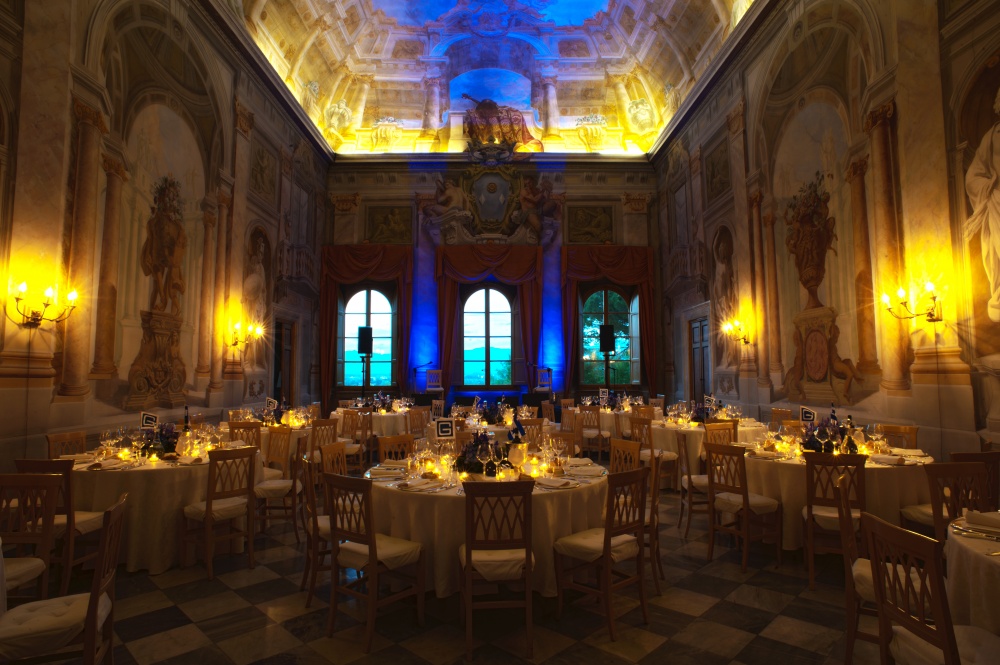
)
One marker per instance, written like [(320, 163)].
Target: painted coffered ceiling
[(599, 76)]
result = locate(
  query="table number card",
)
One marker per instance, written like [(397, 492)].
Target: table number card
[(807, 415), (271, 403), (147, 419), (445, 428), (709, 400), (602, 392)]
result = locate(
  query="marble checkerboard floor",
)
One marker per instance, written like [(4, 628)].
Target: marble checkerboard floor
[(708, 613)]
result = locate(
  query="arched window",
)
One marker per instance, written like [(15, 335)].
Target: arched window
[(367, 308), (486, 339), (607, 307)]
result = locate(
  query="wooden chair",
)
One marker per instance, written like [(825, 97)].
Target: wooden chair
[(247, 431), (624, 455), (356, 429), (915, 621), (437, 408), (68, 525), (230, 498), (652, 520), (38, 630), (623, 423), (794, 427), (694, 487), (394, 448), (720, 433), (642, 431), (67, 443), (334, 458), (279, 441), (645, 411), (532, 431), (374, 556), (27, 516), (992, 461), (549, 412), (732, 422), (859, 590), (569, 442), (601, 548), (417, 420), (286, 488), (901, 436), (778, 416), (820, 515), (346, 403), (317, 528), (588, 427), (497, 548), (955, 487), (728, 493), (434, 381), (656, 402)]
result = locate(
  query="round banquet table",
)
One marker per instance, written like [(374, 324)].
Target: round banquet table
[(887, 489), (383, 424), (436, 520), (973, 582), (157, 492), (609, 422), (669, 436)]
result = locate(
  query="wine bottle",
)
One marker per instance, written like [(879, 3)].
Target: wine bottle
[(187, 419)]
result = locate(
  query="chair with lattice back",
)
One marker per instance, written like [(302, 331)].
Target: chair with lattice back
[(435, 378), (992, 461), (395, 448), (247, 431), (656, 403), (859, 590), (624, 455), (317, 526), (755, 517), (914, 618), (229, 498), (657, 467), (822, 521), (334, 457), (27, 516), (67, 443), (286, 488), (497, 548), (589, 432), (694, 487), (955, 487), (901, 436), (549, 411), (532, 431)]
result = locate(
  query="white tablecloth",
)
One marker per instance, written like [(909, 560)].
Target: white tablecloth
[(436, 521), (609, 423), (667, 437), (887, 489), (973, 582), (156, 495)]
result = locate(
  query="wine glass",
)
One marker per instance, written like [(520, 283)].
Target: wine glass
[(516, 456), (823, 436), (876, 433), (483, 454)]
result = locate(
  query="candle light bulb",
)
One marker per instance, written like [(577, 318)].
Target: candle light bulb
[(929, 287), (71, 296), (22, 287), (885, 299), (901, 293), (49, 292)]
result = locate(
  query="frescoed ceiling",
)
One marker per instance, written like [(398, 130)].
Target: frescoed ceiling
[(600, 76)]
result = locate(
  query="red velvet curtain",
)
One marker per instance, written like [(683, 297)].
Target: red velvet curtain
[(350, 264), (624, 266), (519, 265)]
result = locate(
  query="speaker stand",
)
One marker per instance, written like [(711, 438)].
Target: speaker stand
[(364, 373)]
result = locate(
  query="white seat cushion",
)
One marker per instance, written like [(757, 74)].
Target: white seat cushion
[(275, 489), (323, 523), (729, 502), (665, 455), (861, 571), (591, 433), (700, 483), (46, 625), (272, 474), (351, 449), (497, 565), (223, 509), (827, 517), (921, 513), (975, 647), (21, 570), (85, 521), (589, 545), (393, 552)]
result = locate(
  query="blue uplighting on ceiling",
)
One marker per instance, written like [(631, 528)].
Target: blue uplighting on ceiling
[(561, 12), (505, 87)]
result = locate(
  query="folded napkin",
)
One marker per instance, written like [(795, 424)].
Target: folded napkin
[(187, 459), (385, 472), (579, 461), (418, 484), (891, 460), (988, 520), (555, 482), (106, 464), (908, 452), (765, 454), (585, 470), (80, 457)]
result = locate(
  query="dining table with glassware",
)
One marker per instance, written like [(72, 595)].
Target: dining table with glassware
[(669, 434), (972, 548)]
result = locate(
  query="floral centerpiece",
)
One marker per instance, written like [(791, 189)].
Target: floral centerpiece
[(812, 436), (163, 437)]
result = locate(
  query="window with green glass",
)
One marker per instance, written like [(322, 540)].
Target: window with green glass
[(367, 308), (605, 307)]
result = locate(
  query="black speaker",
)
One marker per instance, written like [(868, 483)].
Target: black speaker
[(607, 338), (365, 340)]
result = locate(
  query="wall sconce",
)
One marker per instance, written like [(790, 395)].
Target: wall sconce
[(34, 312), (932, 312), (734, 331), (240, 337)]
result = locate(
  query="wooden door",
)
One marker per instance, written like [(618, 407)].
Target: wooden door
[(284, 362), (699, 360)]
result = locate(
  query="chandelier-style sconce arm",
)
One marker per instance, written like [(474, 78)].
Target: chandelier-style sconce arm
[(240, 337), (901, 310), (734, 331), (49, 309)]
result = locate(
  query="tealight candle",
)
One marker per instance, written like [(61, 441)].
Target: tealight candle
[(463, 476), (153, 458)]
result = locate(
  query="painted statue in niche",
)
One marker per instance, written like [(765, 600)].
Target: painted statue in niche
[(163, 250), (810, 235), (590, 225), (640, 112), (727, 352), (982, 184), (263, 173), (627, 20), (390, 225), (717, 177), (256, 287)]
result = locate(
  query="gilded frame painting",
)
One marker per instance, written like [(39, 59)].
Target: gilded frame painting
[(263, 173), (590, 225), (390, 224), (718, 179)]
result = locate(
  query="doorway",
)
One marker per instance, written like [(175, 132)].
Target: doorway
[(700, 359), (284, 362)]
